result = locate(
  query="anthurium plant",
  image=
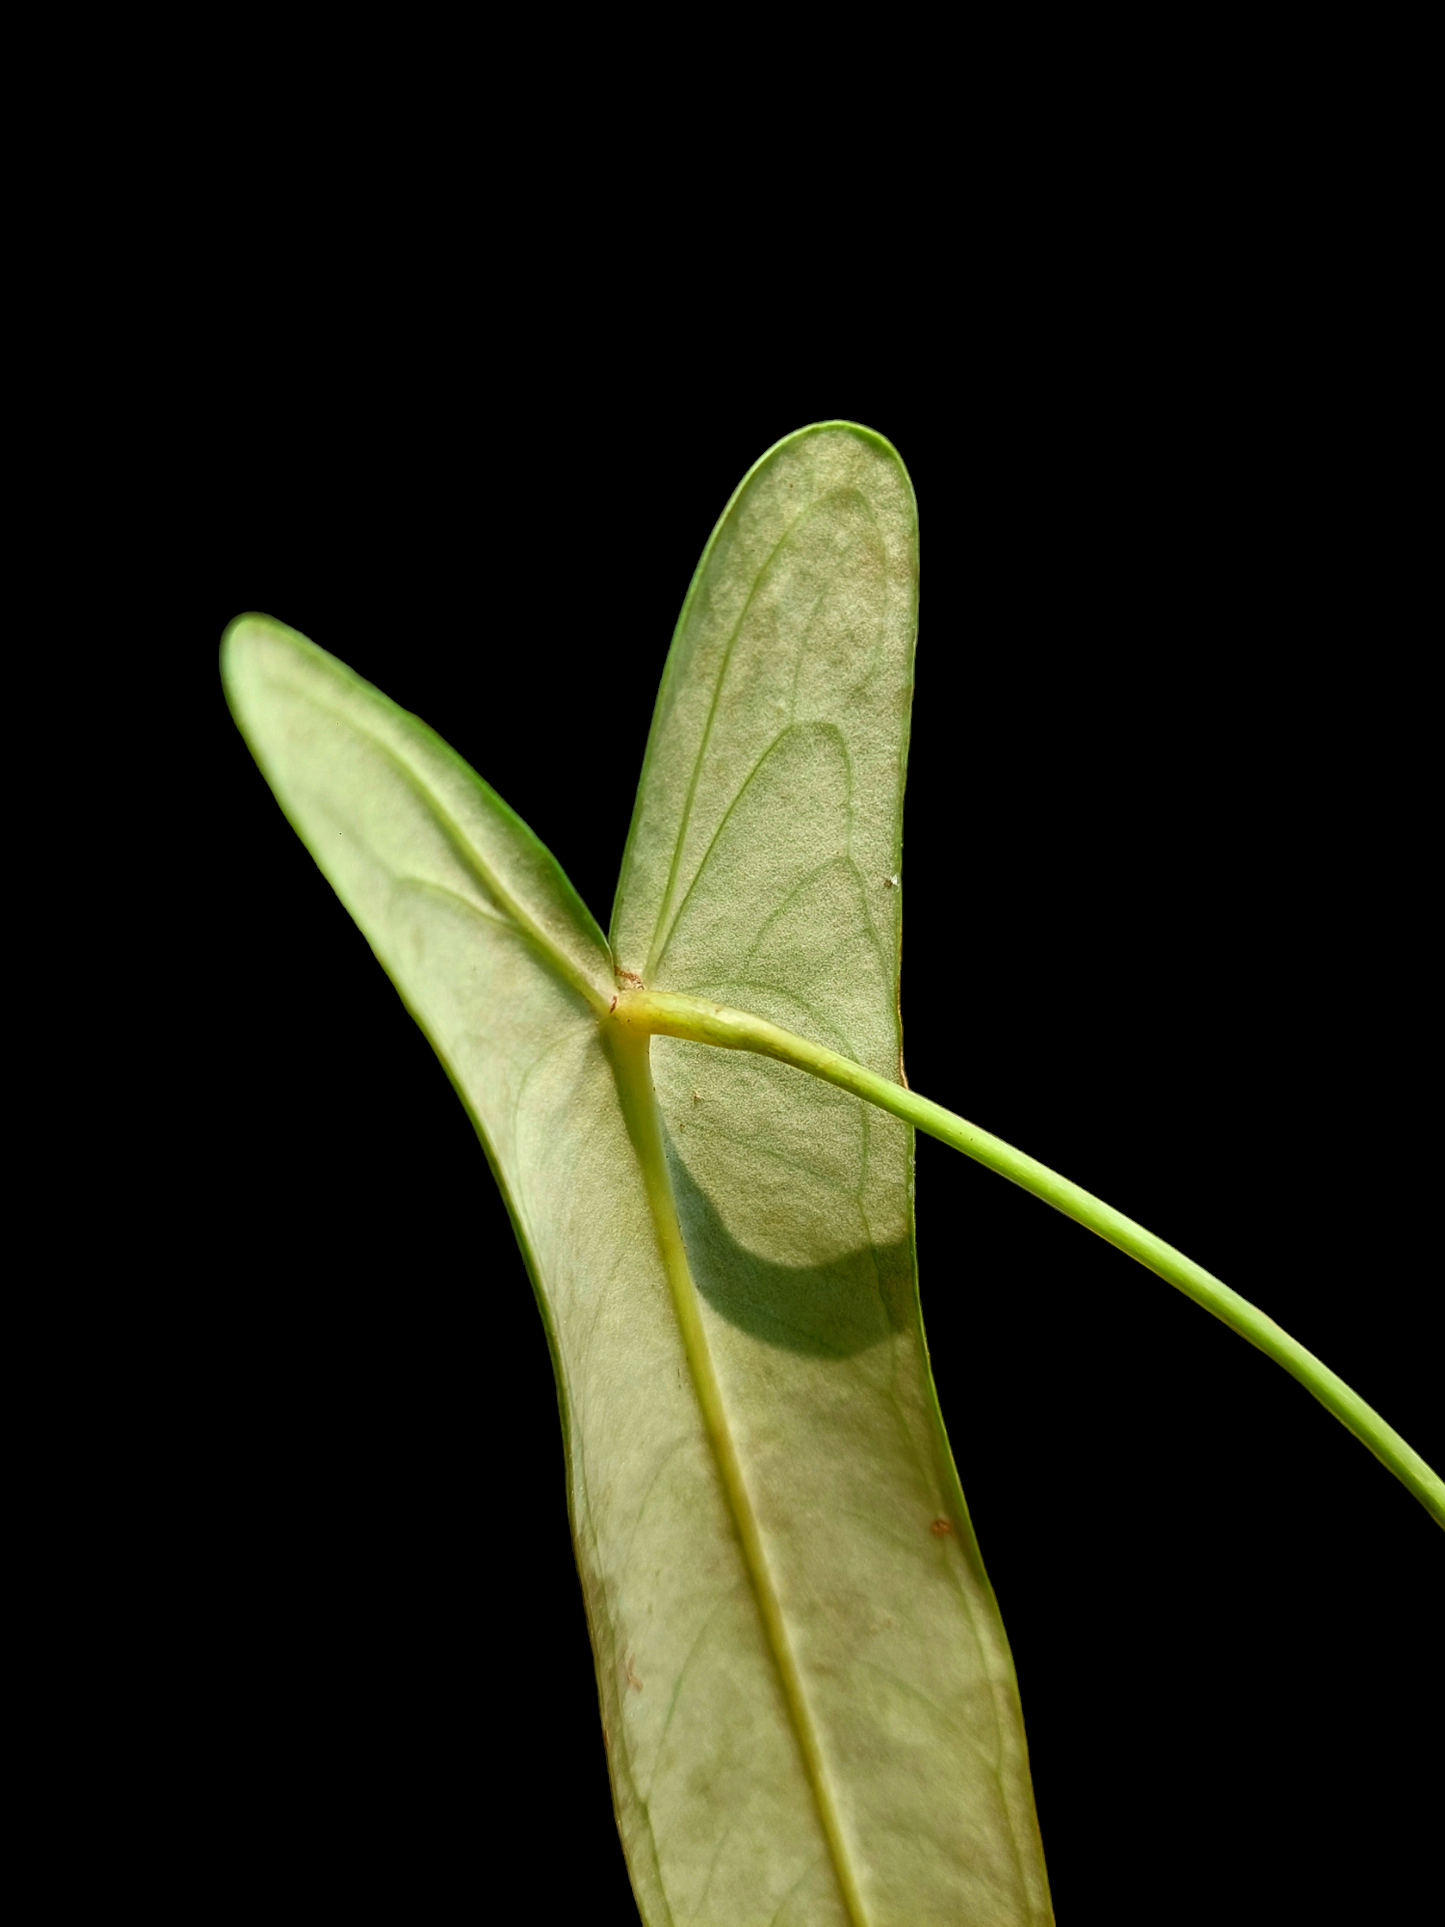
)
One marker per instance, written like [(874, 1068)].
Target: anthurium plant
[(702, 1128)]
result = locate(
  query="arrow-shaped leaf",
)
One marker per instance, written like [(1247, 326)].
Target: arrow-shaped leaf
[(809, 1704)]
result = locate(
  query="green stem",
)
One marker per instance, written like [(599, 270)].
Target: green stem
[(661, 1013)]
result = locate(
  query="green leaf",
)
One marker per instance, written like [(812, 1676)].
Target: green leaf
[(807, 1695)]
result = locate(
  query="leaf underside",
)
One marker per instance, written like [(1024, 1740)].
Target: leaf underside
[(810, 1709)]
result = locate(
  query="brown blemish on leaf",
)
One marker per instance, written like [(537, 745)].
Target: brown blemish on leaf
[(632, 1679), (629, 977), (940, 1528)]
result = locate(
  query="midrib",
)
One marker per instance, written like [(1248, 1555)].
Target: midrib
[(632, 1065)]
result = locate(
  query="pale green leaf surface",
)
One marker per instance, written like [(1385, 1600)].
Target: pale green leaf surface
[(807, 1696), (762, 871)]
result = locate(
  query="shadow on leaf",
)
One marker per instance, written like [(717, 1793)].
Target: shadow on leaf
[(831, 1310)]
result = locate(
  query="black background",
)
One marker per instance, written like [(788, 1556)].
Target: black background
[(1158, 877)]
